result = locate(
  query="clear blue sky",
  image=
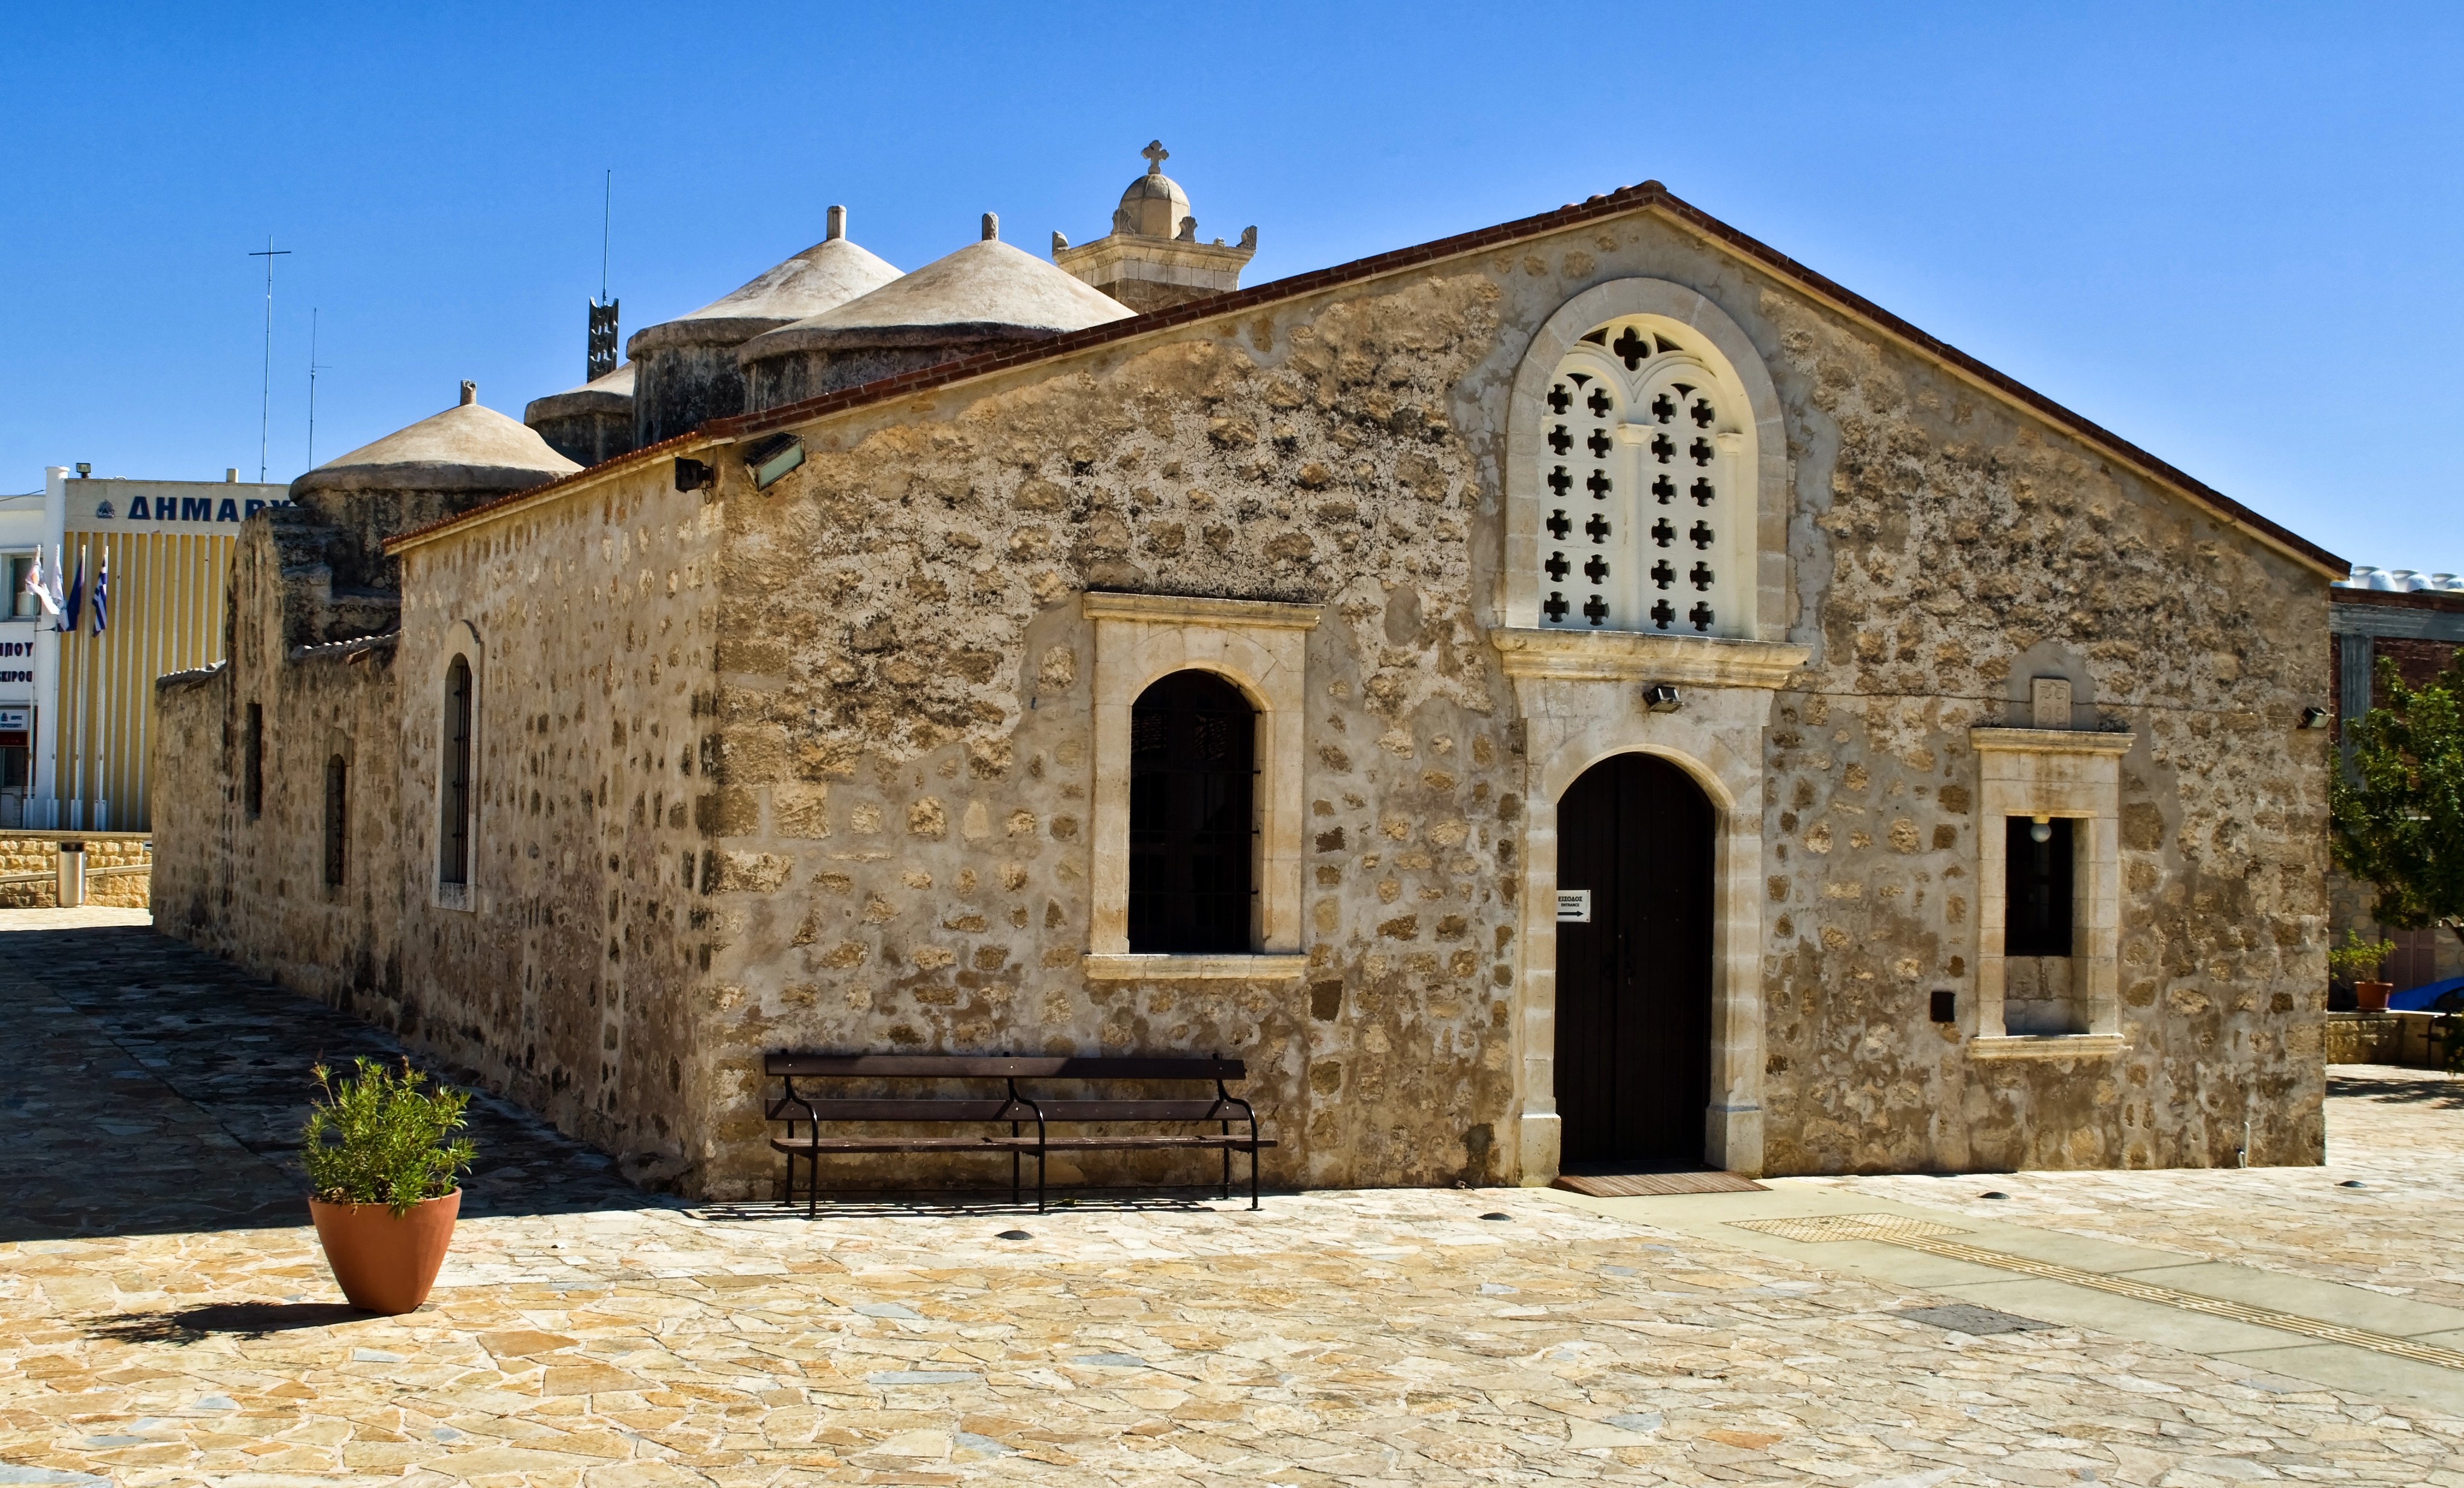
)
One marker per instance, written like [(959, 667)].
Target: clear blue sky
[(2229, 233)]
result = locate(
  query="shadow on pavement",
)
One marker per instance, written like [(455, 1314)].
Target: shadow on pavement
[(239, 1320), (2428, 1088), (154, 1089)]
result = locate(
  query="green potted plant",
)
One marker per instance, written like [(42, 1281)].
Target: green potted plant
[(2359, 961), (383, 1180)]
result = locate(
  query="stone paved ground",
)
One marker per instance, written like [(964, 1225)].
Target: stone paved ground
[(605, 1338)]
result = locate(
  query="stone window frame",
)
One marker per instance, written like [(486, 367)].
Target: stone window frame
[(1734, 363), (461, 639), (2075, 773), (1262, 648)]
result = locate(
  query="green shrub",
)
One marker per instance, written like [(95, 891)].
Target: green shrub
[(2357, 960), (376, 1137)]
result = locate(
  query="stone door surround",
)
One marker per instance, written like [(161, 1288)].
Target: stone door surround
[(1261, 646)]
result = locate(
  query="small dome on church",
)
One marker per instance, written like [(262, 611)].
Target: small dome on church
[(587, 423), (986, 290), (1155, 203), (831, 273), (606, 391), (466, 448)]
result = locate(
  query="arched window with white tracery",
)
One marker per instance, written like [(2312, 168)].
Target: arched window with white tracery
[(1646, 509)]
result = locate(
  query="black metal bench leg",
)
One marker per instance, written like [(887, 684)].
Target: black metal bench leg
[(1253, 1167), (1039, 1181), (812, 1183)]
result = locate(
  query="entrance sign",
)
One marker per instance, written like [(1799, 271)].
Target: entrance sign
[(1573, 906)]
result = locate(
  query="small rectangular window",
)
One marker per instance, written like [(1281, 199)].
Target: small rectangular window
[(2036, 906), (253, 761), (22, 604), (338, 818), (453, 858)]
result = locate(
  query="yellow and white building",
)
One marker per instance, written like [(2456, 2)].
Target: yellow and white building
[(76, 708)]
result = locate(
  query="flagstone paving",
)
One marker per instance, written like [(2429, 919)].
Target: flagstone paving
[(607, 1338)]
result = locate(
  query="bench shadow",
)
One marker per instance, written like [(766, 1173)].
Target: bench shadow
[(976, 1203), (235, 1319), (2428, 1088)]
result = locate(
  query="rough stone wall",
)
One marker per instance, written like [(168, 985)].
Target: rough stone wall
[(571, 981), (42, 855), (904, 728), (1948, 550), (252, 888), (679, 384)]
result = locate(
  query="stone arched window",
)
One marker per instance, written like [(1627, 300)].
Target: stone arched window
[(338, 819), (1646, 503), (453, 836), (1193, 825)]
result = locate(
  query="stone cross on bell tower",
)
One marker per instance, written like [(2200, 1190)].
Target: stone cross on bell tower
[(1156, 155)]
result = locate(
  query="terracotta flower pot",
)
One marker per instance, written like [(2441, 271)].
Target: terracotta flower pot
[(387, 1264), (2372, 996)]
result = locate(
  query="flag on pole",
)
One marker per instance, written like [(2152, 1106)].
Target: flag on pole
[(39, 585), (74, 606), (103, 593)]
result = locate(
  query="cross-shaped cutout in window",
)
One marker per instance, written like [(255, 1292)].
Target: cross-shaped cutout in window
[(1595, 610), (1554, 607), (1597, 570), (1701, 616), (1557, 567), (1662, 613), (1662, 409), (1632, 348), (1702, 415), (1598, 528), (1700, 534), (1701, 492), (1661, 450), (1661, 574), (1700, 449), (1664, 488), (1559, 399), (1702, 576), (1559, 482), (1559, 525), (1600, 444), (1599, 403), (1598, 484), (1560, 440), (1662, 533)]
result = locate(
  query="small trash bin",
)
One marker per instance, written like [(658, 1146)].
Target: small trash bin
[(72, 886)]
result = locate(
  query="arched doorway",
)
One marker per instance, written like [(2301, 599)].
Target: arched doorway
[(1634, 964)]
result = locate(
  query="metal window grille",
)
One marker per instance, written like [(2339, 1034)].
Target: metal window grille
[(453, 865), (338, 818)]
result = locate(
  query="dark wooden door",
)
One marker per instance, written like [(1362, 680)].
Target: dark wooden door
[(1634, 984)]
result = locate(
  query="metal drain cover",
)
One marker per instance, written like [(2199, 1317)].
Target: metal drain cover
[(1818, 1229), (1969, 1318)]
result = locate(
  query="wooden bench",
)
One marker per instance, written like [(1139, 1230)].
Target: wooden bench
[(1028, 1107)]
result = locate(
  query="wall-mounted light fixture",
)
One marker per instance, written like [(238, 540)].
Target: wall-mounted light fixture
[(86, 469), (2040, 828), (773, 458), (694, 476), (1661, 698), (2314, 716)]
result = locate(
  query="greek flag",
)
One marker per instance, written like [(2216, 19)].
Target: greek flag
[(103, 595)]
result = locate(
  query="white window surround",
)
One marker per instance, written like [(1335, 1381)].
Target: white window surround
[(2051, 772), (1759, 458), (1261, 646), (460, 640)]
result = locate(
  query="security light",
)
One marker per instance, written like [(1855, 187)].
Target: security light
[(1661, 698), (2314, 716), (772, 459), (694, 476)]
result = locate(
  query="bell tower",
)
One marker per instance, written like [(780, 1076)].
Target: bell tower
[(1153, 259)]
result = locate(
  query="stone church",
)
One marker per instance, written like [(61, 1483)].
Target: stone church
[(1587, 692)]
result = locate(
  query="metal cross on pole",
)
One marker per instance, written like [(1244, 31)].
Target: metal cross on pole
[(265, 382)]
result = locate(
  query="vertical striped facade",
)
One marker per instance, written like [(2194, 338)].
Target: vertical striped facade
[(169, 547)]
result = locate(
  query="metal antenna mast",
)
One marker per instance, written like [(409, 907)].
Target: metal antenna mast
[(606, 217), (600, 348), (313, 368), (265, 381)]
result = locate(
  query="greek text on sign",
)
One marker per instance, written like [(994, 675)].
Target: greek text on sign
[(1573, 906)]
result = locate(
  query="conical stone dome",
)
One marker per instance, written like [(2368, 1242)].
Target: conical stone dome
[(983, 296), (466, 448), (587, 423), (686, 366)]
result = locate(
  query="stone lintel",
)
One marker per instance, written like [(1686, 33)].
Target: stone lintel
[(1135, 966), (1646, 656), (1191, 610), (2045, 1046), (2048, 741)]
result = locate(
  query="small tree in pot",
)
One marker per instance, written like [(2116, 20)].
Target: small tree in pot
[(383, 1180), (2357, 961)]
